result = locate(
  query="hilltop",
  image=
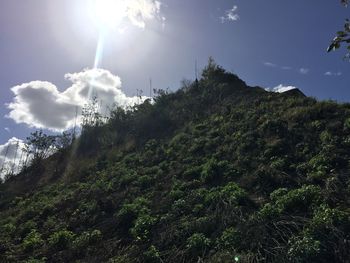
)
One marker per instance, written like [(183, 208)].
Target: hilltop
[(215, 172)]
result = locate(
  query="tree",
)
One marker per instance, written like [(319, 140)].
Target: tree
[(63, 141), (39, 145), (91, 114), (343, 36)]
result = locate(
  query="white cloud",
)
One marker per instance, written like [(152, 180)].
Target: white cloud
[(273, 65), (135, 12), (304, 71), (7, 129), (269, 64), (335, 74), (281, 88), (139, 11), (40, 104), (230, 15), (12, 156)]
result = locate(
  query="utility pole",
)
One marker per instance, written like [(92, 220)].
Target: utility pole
[(150, 87), (196, 72)]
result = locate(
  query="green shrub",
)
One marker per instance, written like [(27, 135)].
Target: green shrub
[(320, 167), (127, 177), (152, 255), (230, 239), (61, 240), (298, 200), (25, 228), (229, 195), (212, 171), (283, 201), (34, 260), (268, 211), (198, 243), (142, 227), (278, 163), (129, 212), (86, 239), (303, 249), (175, 194), (145, 181), (326, 217), (193, 172), (51, 224), (32, 241), (8, 229), (279, 193), (347, 124), (181, 207)]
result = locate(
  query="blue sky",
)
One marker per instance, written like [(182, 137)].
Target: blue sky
[(266, 43)]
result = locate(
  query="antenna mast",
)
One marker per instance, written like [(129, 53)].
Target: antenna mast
[(196, 72), (150, 87)]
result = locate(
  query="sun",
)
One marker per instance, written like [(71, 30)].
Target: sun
[(108, 14)]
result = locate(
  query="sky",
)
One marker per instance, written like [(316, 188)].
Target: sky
[(53, 52)]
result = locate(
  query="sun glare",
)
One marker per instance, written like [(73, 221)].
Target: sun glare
[(108, 14)]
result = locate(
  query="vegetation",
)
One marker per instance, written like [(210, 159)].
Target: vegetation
[(215, 172), (343, 36)]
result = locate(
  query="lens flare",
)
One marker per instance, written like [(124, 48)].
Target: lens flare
[(108, 14), (99, 50)]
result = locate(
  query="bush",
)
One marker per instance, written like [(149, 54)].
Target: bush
[(34, 260), (8, 229), (87, 239), (347, 124), (32, 241), (152, 255), (303, 249), (298, 200), (198, 244), (231, 195), (294, 201), (142, 227), (145, 181), (61, 240), (180, 207), (326, 217), (331, 227), (230, 239), (192, 172), (25, 228), (212, 171), (129, 212)]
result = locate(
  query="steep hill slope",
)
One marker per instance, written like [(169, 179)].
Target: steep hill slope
[(215, 172)]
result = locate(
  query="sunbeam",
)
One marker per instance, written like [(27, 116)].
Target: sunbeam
[(99, 49)]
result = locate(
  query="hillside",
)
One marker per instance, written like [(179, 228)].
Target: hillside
[(215, 172)]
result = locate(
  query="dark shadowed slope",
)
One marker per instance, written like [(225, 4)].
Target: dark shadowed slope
[(215, 172)]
